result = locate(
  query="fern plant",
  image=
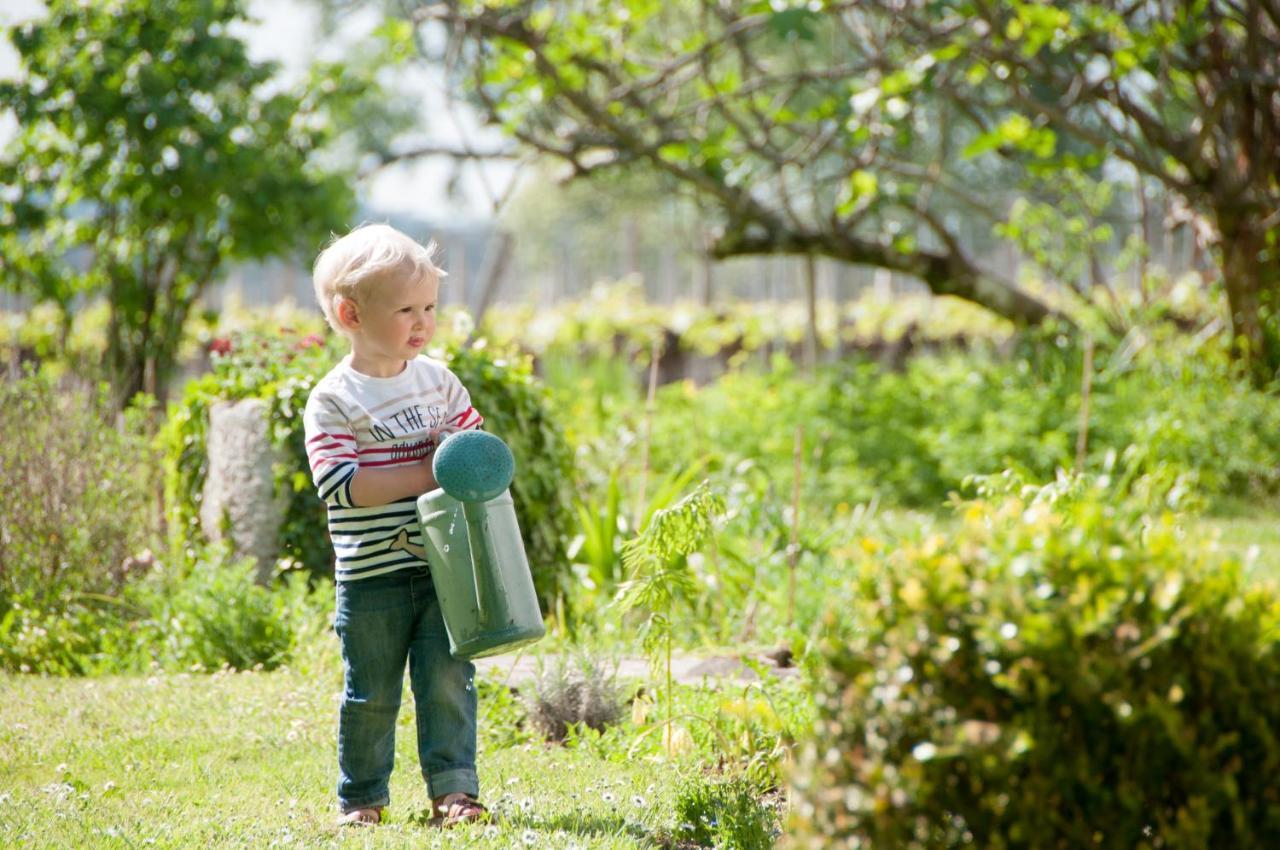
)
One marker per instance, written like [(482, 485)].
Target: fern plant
[(659, 575)]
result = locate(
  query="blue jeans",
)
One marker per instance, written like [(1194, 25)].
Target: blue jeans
[(382, 622)]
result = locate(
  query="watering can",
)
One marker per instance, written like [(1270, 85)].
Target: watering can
[(474, 549)]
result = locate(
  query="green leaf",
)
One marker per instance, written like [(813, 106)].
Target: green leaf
[(795, 24), (862, 184)]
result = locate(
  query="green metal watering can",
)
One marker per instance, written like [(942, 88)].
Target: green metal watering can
[(474, 549)]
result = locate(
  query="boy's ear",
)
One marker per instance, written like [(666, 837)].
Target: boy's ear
[(348, 315)]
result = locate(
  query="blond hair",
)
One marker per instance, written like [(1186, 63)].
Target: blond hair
[(351, 266)]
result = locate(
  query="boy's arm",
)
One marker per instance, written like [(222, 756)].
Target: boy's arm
[(336, 471), (380, 486), (459, 415)]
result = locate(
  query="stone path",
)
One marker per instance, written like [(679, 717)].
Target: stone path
[(685, 669)]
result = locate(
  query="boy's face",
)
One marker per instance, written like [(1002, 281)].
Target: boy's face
[(397, 320)]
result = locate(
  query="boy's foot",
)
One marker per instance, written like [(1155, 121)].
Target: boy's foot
[(371, 816), (456, 808)]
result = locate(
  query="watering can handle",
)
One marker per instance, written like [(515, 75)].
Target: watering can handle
[(477, 533)]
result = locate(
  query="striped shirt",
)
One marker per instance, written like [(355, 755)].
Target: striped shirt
[(356, 421)]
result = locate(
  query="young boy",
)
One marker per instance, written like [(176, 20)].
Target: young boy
[(372, 425)]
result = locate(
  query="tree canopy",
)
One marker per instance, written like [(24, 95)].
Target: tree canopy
[(872, 131), (151, 151)]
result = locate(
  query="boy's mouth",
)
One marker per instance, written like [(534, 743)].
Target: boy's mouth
[(416, 342)]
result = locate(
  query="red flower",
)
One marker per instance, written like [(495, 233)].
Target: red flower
[(309, 341), (220, 345)]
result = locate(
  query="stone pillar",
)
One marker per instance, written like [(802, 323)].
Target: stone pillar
[(240, 500)]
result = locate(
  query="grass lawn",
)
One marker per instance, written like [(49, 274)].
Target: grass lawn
[(1250, 533), (247, 760)]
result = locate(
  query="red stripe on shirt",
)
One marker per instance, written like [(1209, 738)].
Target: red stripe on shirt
[(325, 436), (462, 416), (324, 463), (327, 447)]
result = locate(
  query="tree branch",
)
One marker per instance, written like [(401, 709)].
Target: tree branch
[(944, 274), (424, 151)]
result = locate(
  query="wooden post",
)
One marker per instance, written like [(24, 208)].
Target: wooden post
[(649, 406), (1086, 393), (793, 547), (811, 302)]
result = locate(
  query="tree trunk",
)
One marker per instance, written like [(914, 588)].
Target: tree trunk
[(142, 349), (492, 271), (1252, 281), (811, 313), (706, 281)]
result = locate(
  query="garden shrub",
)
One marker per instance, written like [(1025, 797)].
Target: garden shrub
[(574, 689), (215, 615), (80, 591), (209, 614), (78, 493), (1065, 669), (78, 635), (282, 369)]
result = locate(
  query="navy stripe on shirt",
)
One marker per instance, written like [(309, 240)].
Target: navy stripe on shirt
[(337, 485), (347, 563), (367, 517), (403, 562), (408, 521), (332, 471)]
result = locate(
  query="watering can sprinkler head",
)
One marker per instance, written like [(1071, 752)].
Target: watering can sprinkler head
[(473, 466)]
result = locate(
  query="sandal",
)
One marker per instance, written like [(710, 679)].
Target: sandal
[(457, 808), (370, 816)]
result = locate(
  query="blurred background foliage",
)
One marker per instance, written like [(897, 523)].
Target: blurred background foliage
[(1009, 497)]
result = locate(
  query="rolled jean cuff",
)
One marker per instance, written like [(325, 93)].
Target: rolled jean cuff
[(443, 782), (346, 806)]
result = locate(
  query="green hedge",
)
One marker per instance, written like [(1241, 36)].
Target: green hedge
[(1066, 669), (282, 369), (910, 437)]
